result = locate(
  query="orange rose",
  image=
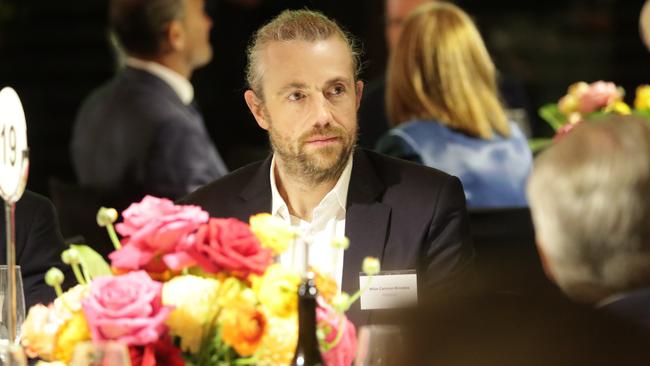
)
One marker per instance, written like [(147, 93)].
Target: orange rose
[(327, 287), (243, 329)]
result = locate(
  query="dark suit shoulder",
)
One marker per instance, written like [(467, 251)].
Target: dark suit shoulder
[(407, 176), (221, 198), (33, 202), (135, 96)]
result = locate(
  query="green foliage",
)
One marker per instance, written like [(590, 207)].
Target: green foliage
[(92, 263), (552, 115), (214, 352)]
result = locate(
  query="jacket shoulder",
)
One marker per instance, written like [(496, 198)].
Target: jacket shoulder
[(225, 188), (405, 172)]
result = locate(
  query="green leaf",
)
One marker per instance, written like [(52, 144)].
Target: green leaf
[(552, 115), (538, 144), (643, 113), (92, 263)]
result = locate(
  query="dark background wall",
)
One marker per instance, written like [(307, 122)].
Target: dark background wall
[(55, 52)]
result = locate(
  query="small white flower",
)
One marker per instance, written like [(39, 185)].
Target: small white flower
[(106, 216), (371, 266)]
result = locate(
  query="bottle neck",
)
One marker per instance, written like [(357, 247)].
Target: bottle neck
[(307, 350), (307, 319)]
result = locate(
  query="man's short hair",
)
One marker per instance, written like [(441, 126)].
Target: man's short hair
[(294, 25), (590, 200), (140, 25)]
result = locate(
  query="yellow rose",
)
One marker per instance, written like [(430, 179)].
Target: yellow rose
[(195, 302), (577, 89), (273, 232), (642, 100), (277, 290), (39, 332), (69, 303), (74, 331), (619, 108), (568, 104), (43, 324), (279, 342), (235, 294)]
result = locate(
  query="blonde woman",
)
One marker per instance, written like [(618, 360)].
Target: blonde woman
[(445, 111)]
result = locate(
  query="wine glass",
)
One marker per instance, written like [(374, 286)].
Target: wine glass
[(100, 354), (380, 345), (11, 354), (5, 303)]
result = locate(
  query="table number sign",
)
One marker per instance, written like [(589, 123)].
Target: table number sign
[(14, 168), (14, 161)]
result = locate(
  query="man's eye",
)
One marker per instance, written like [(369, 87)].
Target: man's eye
[(296, 96), (337, 90)]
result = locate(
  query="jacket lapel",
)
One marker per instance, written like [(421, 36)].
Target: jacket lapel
[(366, 226), (257, 193)]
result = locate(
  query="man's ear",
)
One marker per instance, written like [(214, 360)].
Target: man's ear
[(359, 92), (545, 261), (257, 108), (176, 36)]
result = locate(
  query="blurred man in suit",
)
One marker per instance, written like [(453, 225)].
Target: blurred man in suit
[(38, 246), (305, 91), (141, 133), (589, 200)]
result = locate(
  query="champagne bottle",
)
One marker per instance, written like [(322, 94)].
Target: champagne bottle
[(307, 351)]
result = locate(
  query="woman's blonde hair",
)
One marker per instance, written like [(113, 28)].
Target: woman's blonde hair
[(441, 70)]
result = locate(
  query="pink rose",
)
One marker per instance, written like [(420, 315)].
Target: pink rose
[(155, 227), (599, 94), (228, 245), (564, 130), (126, 308), (342, 354)]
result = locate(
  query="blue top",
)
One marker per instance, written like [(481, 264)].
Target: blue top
[(493, 172)]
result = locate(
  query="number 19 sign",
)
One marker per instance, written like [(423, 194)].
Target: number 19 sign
[(14, 161)]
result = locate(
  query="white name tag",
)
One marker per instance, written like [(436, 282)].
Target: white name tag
[(389, 290)]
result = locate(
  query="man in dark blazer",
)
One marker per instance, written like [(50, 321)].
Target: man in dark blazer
[(305, 92), (38, 246), (141, 133)]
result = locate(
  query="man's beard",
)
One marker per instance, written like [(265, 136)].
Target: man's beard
[(314, 167)]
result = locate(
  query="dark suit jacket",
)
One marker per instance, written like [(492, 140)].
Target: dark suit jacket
[(407, 215), (633, 307), (38, 246), (134, 136)]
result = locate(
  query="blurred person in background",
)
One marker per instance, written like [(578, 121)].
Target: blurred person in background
[(443, 102), (589, 200), (141, 132), (373, 122), (372, 112)]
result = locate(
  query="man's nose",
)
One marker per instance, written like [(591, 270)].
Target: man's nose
[(322, 111)]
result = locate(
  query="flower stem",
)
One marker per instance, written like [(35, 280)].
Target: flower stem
[(58, 290), (77, 274), (357, 294), (113, 235), (339, 334)]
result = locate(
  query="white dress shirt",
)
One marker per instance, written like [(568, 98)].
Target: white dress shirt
[(327, 224), (176, 81)]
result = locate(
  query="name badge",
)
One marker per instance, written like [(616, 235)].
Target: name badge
[(389, 290)]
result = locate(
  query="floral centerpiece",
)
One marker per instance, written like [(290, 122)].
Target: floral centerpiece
[(187, 289), (585, 102)]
